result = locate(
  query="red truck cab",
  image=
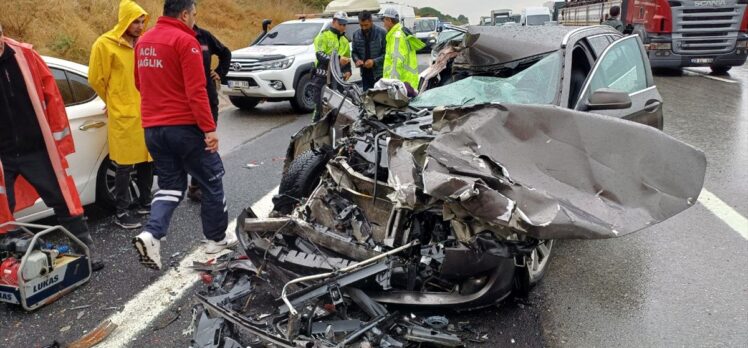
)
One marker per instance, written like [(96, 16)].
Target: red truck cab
[(676, 34)]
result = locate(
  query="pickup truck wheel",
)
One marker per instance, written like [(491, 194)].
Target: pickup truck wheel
[(303, 101), (244, 103), (536, 264), (720, 69), (301, 179), (105, 185)]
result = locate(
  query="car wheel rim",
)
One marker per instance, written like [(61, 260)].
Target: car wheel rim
[(110, 179), (538, 259)]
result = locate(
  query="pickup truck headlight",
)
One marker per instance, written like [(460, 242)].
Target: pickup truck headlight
[(278, 64)]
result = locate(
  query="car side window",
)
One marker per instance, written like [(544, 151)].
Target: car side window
[(82, 91), (621, 68), (64, 86), (598, 44)]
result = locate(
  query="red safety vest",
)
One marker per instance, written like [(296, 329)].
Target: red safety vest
[(50, 111)]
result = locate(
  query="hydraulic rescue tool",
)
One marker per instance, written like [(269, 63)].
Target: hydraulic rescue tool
[(37, 268)]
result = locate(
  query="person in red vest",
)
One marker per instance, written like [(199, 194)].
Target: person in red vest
[(35, 138)]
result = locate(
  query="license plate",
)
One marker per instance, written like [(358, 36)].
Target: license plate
[(238, 84), (702, 60)]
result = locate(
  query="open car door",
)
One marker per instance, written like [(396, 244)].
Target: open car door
[(621, 85)]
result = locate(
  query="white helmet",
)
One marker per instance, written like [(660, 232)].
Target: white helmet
[(391, 12), (341, 17)]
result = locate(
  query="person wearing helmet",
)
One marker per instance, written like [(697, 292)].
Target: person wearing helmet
[(400, 60), (329, 40)]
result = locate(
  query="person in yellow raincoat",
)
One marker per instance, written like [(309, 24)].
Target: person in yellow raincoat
[(111, 74)]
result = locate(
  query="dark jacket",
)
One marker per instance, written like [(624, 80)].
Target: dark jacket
[(614, 22), (19, 128), (377, 40), (211, 46)]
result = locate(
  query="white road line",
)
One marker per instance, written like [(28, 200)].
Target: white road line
[(724, 212), (706, 75), (148, 304)]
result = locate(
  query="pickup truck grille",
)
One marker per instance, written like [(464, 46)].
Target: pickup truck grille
[(706, 30), (245, 65)]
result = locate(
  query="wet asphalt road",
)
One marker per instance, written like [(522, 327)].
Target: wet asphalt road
[(680, 283)]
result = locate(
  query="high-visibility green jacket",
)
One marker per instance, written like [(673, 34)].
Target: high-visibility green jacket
[(328, 40), (401, 61)]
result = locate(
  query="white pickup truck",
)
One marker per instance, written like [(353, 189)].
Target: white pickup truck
[(279, 65)]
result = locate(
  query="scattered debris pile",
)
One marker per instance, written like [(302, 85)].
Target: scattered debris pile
[(332, 311)]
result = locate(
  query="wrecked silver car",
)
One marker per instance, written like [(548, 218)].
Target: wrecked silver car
[(451, 200)]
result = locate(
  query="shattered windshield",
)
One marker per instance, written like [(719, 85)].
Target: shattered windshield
[(534, 85), (292, 34)]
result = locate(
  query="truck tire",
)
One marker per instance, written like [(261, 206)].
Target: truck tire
[(301, 179), (244, 103), (720, 69), (303, 101)]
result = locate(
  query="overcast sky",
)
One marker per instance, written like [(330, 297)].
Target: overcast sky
[(473, 9)]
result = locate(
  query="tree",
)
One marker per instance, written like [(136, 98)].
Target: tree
[(432, 12)]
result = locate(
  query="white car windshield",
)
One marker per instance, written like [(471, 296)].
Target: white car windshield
[(425, 26), (291, 34), (537, 84)]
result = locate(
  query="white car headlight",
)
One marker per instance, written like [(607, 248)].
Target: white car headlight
[(278, 64)]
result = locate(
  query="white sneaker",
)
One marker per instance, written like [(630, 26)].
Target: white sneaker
[(216, 247), (149, 249)]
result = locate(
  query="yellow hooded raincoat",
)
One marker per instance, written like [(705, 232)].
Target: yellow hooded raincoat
[(111, 73)]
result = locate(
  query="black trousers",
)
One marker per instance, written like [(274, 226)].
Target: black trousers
[(144, 174), (178, 151), (368, 79), (37, 169), (318, 84)]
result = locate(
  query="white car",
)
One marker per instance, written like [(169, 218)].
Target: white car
[(89, 165), (279, 66)]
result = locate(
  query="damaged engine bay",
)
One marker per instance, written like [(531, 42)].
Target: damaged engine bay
[(384, 208)]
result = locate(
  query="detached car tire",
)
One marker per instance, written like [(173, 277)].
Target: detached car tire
[(720, 69), (244, 103), (301, 179), (303, 101)]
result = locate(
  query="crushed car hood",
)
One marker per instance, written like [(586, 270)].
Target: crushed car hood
[(489, 46), (548, 172)]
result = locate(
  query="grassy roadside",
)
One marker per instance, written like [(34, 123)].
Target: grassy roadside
[(67, 28)]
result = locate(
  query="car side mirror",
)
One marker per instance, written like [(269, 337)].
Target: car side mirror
[(439, 29), (608, 99)]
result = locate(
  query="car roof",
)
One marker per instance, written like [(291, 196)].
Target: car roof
[(501, 44), (66, 64)]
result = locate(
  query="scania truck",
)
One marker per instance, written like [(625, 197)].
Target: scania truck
[(676, 34)]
